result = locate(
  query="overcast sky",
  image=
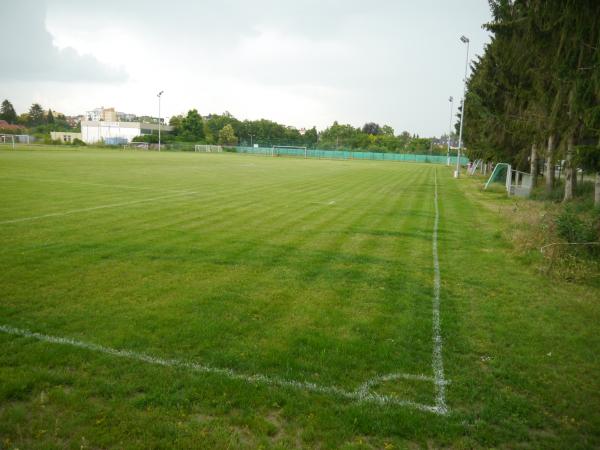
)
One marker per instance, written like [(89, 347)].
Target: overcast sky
[(301, 63)]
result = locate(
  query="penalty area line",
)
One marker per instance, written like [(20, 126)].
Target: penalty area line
[(361, 395)]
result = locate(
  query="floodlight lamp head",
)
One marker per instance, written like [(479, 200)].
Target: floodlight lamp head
[(451, 99), (160, 93), (464, 39)]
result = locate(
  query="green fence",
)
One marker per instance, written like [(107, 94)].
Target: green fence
[(343, 154)]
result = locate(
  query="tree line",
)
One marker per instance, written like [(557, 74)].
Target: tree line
[(226, 129), (534, 94), (36, 120)]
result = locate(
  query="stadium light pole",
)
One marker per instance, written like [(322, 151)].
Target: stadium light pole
[(464, 40), (251, 143), (451, 100), (159, 95)]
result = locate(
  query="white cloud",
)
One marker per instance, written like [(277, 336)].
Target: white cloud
[(302, 63)]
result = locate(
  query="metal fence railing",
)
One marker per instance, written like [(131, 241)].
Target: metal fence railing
[(343, 154)]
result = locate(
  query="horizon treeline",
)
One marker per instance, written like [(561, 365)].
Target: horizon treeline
[(228, 130)]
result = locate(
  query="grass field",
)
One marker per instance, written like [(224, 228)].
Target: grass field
[(221, 301)]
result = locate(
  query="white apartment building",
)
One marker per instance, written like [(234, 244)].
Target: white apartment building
[(93, 131)]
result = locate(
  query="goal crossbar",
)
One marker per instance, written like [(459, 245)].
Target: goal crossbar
[(14, 139), (297, 147), (202, 148), (138, 145)]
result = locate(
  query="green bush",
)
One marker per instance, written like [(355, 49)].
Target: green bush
[(78, 142), (572, 228), (575, 226)]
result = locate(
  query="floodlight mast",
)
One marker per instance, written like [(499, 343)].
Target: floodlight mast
[(159, 95), (451, 100), (464, 40)]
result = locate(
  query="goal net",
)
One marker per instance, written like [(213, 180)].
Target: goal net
[(199, 148), (515, 182), (137, 145), (13, 139), (289, 150)]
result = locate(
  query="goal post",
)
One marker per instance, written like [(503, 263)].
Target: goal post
[(293, 150), (13, 139), (201, 148), (137, 145), (515, 182)]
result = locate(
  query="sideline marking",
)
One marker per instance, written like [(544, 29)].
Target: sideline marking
[(437, 360), (360, 395), (93, 208)]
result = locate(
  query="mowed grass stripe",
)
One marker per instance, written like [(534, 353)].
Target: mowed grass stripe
[(32, 180), (338, 252), (303, 243), (225, 193), (279, 264)]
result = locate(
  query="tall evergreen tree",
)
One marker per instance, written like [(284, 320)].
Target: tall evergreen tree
[(36, 115), (7, 112), (537, 84)]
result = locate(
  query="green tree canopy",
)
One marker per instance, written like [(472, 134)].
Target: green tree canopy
[(7, 112), (371, 128), (227, 135), (36, 115), (192, 126)]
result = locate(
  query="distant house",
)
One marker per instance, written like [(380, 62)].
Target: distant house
[(6, 127), (65, 137), (73, 121), (102, 114), (93, 132)]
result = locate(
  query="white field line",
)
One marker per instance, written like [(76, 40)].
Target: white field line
[(85, 183), (437, 360), (361, 395), (94, 208)]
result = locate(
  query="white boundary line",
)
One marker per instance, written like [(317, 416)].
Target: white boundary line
[(437, 360), (93, 208), (361, 395)]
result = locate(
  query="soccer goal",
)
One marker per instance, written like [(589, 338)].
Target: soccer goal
[(516, 182), (289, 150), (472, 168), (199, 148), (137, 145), (13, 139)]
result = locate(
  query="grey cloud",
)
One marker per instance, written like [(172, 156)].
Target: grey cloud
[(394, 59), (29, 49)]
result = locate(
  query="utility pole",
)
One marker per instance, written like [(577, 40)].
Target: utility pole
[(464, 40), (159, 96), (451, 100)]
